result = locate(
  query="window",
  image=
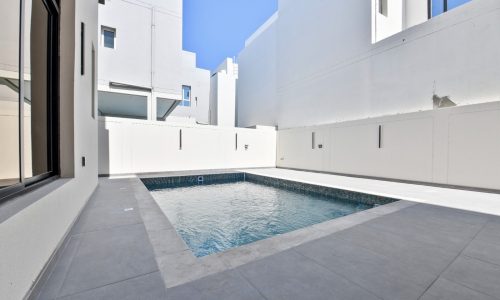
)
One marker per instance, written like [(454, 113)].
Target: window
[(28, 95), (108, 37), (382, 7), (438, 7), (186, 96)]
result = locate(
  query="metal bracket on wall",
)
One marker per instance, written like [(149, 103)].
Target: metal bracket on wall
[(180, 139), (380, 136)]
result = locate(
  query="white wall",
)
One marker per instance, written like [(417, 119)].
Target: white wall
[(223, 94), (256, 87), (133, 146), (199, 81), (328, 70), (456, 146), (30, 237)]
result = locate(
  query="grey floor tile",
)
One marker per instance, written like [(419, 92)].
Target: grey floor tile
[(447, 214), (452, 237), (484, 249), (410, 254), (52, 283), (98, 218), (109, 256), (490, 232), (474, 274), (226, 285), (444, 289), (372, 271), (289, 275), (147, 287)]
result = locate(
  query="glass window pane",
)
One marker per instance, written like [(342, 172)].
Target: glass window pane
[(9, 92), (437, 7), (455, 3), (109, 39), (36, 142)]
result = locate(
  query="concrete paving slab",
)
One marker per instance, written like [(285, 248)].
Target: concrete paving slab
[(290, 275), (374, 272), (147, 287), (444, 289), (223, 286), (475, 274), (109, 256)]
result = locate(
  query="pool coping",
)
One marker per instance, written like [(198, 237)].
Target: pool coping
[(178, 265)]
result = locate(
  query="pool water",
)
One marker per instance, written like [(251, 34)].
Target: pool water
[(215, 218)]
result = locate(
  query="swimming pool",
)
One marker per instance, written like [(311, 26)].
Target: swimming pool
[(213, 217)]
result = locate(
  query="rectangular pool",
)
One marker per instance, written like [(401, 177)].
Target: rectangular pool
[(213, 216)]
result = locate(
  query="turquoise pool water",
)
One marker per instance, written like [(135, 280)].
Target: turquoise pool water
[(215, 218)]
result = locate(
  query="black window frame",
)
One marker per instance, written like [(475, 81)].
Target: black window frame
[(26, 184)]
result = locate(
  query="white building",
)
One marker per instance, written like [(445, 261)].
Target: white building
[(371, 74), (223, 94), (145, 73)]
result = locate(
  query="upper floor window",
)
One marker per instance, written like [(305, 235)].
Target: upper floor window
[(186, 96), (438, 7), (108, 37)]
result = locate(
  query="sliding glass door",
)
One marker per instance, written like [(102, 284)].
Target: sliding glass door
[(28, 93)]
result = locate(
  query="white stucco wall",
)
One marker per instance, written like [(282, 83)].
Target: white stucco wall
[(133, 146), (199, 81), (455, 146), (328, 70), (256, 88), (30, 237), (223, 94)]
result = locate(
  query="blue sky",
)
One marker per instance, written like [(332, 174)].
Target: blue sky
[(216, 29)]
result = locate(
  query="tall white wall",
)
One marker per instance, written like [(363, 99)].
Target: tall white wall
[(455, 146), (133, 146), (328, 70), (223, 94), (30, 237), (256, 88)]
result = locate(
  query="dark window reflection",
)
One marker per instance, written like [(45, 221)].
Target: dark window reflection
[(9, 92), (36, 142)]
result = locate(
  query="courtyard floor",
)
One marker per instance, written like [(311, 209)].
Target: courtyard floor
[(423, 247)]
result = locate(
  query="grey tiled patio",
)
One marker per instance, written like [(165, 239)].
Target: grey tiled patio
[(417, 252)]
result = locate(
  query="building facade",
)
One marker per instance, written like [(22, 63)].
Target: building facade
[(369, 88), (48, 153)]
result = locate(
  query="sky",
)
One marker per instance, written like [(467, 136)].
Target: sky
[(216, 29)]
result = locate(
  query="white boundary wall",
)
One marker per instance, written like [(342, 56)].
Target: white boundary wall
[(456, 146), (132, 147)]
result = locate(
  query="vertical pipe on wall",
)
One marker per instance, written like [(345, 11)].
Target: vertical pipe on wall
[(313, 140)]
